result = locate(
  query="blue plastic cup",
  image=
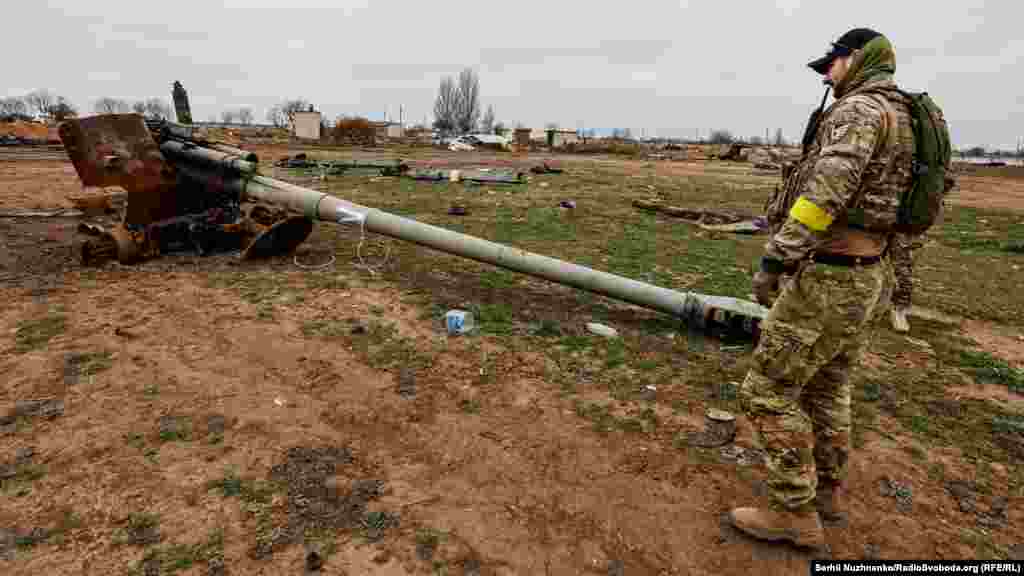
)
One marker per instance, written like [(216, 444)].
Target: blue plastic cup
[(458, 322)]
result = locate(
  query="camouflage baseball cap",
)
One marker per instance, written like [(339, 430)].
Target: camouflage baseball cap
[(853, 40)]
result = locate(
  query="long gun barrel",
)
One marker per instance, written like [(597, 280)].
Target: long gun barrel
[(235, 172)]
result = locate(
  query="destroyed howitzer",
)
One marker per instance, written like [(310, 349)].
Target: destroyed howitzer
[(183, 189)]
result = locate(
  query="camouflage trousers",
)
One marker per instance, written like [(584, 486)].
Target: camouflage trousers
[(797, 393), (901, 250)]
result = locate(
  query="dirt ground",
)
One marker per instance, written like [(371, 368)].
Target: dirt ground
[(255, 448)]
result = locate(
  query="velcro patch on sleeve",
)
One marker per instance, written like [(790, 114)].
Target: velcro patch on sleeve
[(809, 214)]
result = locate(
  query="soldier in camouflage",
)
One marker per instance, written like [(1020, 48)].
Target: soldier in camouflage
[(827, 261)]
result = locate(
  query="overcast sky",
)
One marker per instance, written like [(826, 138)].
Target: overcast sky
[(657, 67)]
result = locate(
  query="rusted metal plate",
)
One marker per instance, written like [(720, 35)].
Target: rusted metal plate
[(118, 150)]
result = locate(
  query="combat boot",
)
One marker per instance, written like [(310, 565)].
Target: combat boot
[(801, 527), (829, 502), (898, 315)]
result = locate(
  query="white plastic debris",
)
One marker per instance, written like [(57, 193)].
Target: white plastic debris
[(602, 330), (280, 401)]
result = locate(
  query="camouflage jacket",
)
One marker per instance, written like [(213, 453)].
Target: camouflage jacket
[(860, 161)]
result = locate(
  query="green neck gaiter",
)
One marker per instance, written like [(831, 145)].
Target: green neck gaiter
[(875, 61)]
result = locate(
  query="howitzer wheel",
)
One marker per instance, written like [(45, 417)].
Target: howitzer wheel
[(281, 238)]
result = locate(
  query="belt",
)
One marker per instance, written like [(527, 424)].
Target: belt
[(845, 259)]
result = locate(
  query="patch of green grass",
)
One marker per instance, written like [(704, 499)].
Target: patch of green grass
[(91, 363), (469, 405), (142, 529), (985, 548), (151, 389), (498, 279), (262, 287), (380, 345), (972, 230), (575, 343), (36, 333), (515, 227), (428, 536), (919, 424), (20, 484), (180, 431), (647, 365), (327, 328), (493, 318), (599, 414), (172, 558), (988, 369), (615, 353), (1008, 425), (916, 452), (937, 472), (247, 490), (135, 440), (326, 281), (870, 391)]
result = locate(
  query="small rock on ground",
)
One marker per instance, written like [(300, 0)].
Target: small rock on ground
[(216, 424), (1017, 552), (406, 382), (48, 409), (616, 568), (471, 567)]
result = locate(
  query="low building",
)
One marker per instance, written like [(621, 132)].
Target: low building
[(560, 138), (306, 125)]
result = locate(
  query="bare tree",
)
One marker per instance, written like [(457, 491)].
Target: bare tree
[(779, 140), (13, 107), (500, 129), (158, 109), (62, 109), (245, 115), (139, 107), (40, 101), (290, 107), (276, 116), (468, 102), (627, 134), (227, 116), (721, 137), (487, 122), (446, 106), (108, 105)]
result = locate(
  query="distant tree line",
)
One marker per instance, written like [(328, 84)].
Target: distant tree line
[(151, 108), (37, 103)]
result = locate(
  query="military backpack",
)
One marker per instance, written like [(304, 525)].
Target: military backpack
[(921, 204)]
